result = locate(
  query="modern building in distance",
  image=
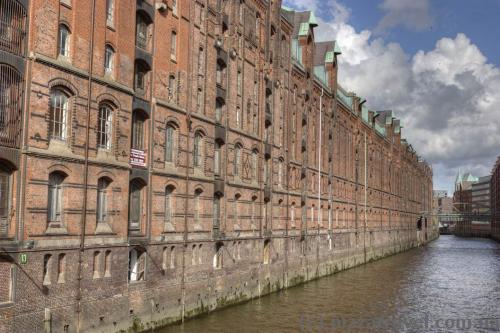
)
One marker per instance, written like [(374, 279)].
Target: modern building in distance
[(481, 199), (495, 200), (160, 159), (462, 197), (442, 203)]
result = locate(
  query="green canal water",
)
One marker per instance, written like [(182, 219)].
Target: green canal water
[(450, 285)]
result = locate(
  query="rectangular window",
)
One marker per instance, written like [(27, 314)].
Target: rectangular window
[(174, 7), (173, 46), (240, 83), (137, 265), (169, 144), (107, 263), (4, 201), (104, 127), (199, 100), (216, 212), (47, 260), (6, 276), (217, 159), (110, 9)]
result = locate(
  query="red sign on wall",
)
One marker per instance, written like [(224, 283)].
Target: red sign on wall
[(137, 158)]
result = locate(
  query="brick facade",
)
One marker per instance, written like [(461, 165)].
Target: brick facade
[(495, 200), (178, 156)]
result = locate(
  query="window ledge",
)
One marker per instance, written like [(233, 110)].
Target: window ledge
[(103, 228), (6, 304), (56, 230)]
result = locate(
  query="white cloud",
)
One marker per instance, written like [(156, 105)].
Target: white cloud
[(412, 14), (447, 97)]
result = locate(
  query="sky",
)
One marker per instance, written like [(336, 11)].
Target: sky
[(435, 63)]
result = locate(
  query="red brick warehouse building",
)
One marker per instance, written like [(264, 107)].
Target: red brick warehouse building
[(162, 158), (495, 200)]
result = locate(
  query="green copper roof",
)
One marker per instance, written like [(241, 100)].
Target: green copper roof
[(337, 49), (312, 20), (304, 29)]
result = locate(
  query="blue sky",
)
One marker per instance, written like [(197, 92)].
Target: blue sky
[(478, 19), (435, 63)]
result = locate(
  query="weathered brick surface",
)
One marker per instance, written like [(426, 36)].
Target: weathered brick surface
[(269, 227)]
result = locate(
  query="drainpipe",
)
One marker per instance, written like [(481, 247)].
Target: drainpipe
[(24, 137), (186, 200), (319, 155), (85, 176), (366, 185)]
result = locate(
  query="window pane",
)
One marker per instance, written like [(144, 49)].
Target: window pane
[(104, 127), (59, 110)]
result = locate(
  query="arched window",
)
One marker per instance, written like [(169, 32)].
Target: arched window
[(47, 263), (135, 205), (97, 265), (102, 199), (194, 249), (105, 127), (138, 120), (171, 87), (170, 143), (61, 268), (55, 197), (201, 60), (197, 206), (292, 215), (267, 251), (137, 265), (107, 263), (59, 107), (199, 99), (109, 60), (218, 256), (239, 82), (197, 149), (5, 188), (237, 159), (236, 208), (280, 172), (169, 206), (239, 117), (64, 40)]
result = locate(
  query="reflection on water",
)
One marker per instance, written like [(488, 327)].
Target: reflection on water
[(451, 285)]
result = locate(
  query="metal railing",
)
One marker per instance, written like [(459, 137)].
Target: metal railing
[(12, 27), (11, 96)]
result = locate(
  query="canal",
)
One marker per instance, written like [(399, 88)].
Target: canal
[(450, 285)]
